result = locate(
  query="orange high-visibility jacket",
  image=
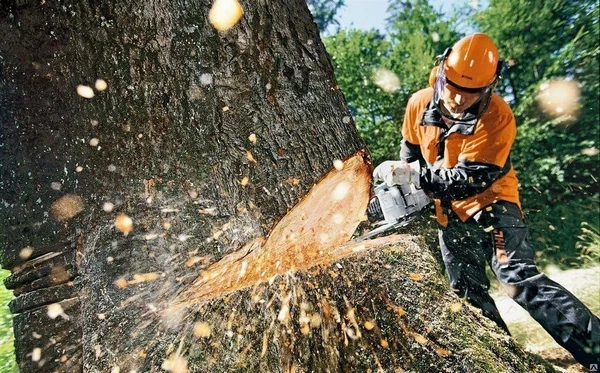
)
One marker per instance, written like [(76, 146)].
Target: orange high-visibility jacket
[(467, 164)]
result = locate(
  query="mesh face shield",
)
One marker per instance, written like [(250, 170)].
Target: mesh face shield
[(474, 111)]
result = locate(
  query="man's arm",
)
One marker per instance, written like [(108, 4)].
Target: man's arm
[(483, 160), (464, 180), (411, 152)]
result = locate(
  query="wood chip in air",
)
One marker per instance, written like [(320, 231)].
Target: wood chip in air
[(415, 276), (419, 338), (202, 330), (124, 224), (442, 352)]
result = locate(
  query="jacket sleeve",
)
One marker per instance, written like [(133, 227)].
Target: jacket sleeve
[(484, 159), (410, 150), (464, 180)]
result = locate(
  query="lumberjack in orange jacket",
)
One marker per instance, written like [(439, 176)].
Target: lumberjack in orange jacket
[(461, 134), (468, 163)]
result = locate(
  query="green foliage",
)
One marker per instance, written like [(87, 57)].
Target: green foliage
[(356, 55), (589, 243), (7, 354), (530, 34), (416, 22)]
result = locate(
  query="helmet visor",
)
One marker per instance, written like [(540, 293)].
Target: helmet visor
[(456, 102)]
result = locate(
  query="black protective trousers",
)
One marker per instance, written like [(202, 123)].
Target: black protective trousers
[(499, 236)]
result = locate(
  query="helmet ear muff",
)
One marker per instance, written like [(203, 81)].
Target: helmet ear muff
[(445, 55), (499, 70)]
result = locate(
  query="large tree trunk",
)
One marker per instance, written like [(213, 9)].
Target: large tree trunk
[(205, 140)]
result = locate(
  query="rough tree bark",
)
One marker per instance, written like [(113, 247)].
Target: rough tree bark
[(206, 140)]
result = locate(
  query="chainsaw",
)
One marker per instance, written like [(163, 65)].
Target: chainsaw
[(394, 206)]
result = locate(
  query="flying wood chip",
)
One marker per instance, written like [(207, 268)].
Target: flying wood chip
[(124, 224), (224, 14), (85, 91), (67, 207), (175, 364), (442, 352), (101, 84), (202, 330), (36, 354), (25, 252), (456, 307), (415, 276), (419, 338), (121, 283)]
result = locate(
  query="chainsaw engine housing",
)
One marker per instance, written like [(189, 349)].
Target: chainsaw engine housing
[(395, 206)]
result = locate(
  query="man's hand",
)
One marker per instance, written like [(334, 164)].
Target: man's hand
[(397, 173)]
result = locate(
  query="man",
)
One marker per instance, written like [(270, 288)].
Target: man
[(457, 135)]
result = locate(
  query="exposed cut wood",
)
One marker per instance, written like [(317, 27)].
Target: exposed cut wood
[(42, 297), (19, 256), (322, 221)]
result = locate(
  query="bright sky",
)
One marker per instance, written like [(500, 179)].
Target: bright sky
[(367, 14)]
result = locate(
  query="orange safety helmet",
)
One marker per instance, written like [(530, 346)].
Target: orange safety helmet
[(471, 65), (472, 62)]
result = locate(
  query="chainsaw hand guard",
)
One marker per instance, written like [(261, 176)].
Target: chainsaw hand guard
[(374, 212)]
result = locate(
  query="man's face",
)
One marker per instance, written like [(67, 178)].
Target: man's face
[(457, 101)]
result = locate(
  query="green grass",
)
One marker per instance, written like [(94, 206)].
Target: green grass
[(7, 350)]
